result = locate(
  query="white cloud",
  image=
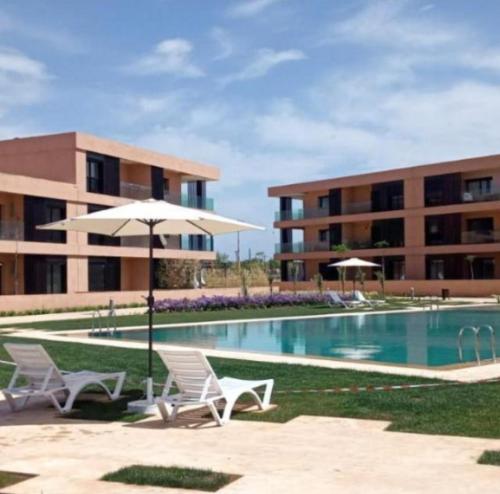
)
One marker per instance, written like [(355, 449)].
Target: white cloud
[(249, 8), (224, 43), (23, 80), (386, 22), (170, 56), (265, 60)]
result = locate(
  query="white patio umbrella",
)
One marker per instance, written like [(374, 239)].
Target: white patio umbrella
[(151, 217), (354, 262)]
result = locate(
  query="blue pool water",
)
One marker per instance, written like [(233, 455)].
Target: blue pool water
[(420, 338)]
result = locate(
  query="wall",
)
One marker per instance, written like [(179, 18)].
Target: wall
[(458, 288), (30, 302)]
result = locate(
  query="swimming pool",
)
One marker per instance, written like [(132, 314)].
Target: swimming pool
[(409, 338)]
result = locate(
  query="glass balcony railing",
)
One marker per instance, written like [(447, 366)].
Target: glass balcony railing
[(11, 230), (135, 191), (203, 243), (197, 202), (301, 247), (478, 196), (480, 237)]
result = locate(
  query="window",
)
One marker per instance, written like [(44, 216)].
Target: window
[(323, 235), (436, 269), (166, 188), (44, 274), (104, 274), (478, 186), (323, 202), (398, 270), (483, 268), (41, 210), (95, 174)]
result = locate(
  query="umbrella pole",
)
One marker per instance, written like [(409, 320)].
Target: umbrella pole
[(151, 301)]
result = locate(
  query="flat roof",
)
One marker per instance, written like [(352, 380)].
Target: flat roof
[(88, 142), (455, 166)]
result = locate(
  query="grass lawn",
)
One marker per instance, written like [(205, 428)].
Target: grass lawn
[(216, 315), (490, 458), (10, 478), (175, 477), (470, 410)]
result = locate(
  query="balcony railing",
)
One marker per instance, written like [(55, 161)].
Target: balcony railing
[(357, 207), (481, 237), (492, 195), (135, 191), (11, 230), (301, 247), (300, 214), (188, 201), (204, 243)]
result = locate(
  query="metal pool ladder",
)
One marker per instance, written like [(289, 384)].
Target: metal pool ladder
[(97, 320), (477, 343)]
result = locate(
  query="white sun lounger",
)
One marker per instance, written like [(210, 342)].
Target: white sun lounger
[(34, 366), (337, 300), (196, 382), (359, 296)]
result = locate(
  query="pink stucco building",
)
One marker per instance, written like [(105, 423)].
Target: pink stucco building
[(46, 178)]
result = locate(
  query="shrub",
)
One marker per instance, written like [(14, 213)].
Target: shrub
[(220, 302)]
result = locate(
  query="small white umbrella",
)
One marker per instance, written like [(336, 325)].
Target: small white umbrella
[(151, 217), (354, 262)]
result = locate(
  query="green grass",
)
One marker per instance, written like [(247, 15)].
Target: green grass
[(216, 315), (10, 478), (175, 477), (490, 458), (469, 410)]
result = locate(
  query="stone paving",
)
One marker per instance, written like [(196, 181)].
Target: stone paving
[(307, 454)]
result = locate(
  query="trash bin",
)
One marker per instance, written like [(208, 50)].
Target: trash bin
[(445, 293)]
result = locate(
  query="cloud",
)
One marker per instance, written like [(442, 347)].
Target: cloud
[(170, 56), (224, 43), (265, 60), (59, 39), (249, 8), (23, 80), (386, 23)]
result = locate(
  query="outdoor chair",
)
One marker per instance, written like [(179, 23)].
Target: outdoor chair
[(43, 378), (337, 300), (196, 383), (359, 296)]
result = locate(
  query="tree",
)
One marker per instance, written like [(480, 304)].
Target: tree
[(341, 249), (382, 244), (318, 280), (294, 271), (470, 259), (381, 279), (361, 276)]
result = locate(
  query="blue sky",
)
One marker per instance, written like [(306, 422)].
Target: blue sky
[(271, 91)]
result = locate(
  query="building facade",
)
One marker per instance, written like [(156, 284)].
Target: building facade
[(433, 226), (47, 178)]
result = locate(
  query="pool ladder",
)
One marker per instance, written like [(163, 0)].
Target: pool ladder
[(97, 322), (476, 330)]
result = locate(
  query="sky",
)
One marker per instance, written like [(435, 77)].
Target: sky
[(270, 91)]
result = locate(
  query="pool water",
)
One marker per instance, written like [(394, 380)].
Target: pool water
[(416, 338)]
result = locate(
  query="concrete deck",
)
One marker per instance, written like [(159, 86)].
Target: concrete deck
[(307, 454)]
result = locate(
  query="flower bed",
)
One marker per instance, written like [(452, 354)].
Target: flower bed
[(220, 302)]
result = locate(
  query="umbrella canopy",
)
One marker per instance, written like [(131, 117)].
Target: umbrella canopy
[(151, 217), (354, 262), (136, 218)]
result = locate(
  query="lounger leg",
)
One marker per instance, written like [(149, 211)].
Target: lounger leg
[(215, 413), (68, 404), (118, 387), (165, 409), (267, 394), (12, 402)]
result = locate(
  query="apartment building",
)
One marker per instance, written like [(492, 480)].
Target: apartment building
[(47, 178), (433, 226)]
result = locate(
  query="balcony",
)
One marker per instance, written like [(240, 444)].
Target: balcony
[(300, 214), (135, 191), (357, 207), (11, 230), (197, 202), (301, 247), (192, 242), (491, 195), (480, 237)]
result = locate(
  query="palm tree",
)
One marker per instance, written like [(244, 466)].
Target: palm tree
[(341, 249), (470, 259)]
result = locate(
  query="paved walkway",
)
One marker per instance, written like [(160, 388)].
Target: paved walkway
[(305, 455)]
